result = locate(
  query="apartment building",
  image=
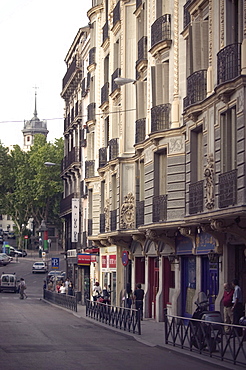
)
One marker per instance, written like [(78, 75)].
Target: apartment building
[(164, 164)]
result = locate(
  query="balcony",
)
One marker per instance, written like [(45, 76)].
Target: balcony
[(73, 157), (103, 156), (66, 203), (159, 208), (116, 14), (142, 49), (102, 223), (89, 169), (187, 13), (89, 227), (228, 63), (113, 220), (140, 130), (91, 112), (92, 56), (160, 117), (140, 213), (196, 88), (161, 30), (105, 32), (113, 149), (228, 189), (70, 71), (116, 74), (196, 197), (96, 3), (105, 93)]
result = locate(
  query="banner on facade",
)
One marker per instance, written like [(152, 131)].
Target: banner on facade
[(75, 220), (109, 261)]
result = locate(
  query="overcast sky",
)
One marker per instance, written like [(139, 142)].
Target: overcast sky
[(35, 38)]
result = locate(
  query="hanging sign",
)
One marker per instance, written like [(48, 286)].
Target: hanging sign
[(75, 220)]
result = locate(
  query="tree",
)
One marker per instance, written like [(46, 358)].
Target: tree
[(27, 187)]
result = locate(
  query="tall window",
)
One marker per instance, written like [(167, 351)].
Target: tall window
[(234, 21), (114, 193), (228, 140), (160, 83), (160, 173), (106, 131), (197, 165), (106, 69)]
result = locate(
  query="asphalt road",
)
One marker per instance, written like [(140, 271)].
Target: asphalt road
[(38, 336)]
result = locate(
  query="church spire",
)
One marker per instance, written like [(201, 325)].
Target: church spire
[(35, 107)]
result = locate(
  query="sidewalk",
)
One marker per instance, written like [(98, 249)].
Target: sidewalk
[(153, 336)]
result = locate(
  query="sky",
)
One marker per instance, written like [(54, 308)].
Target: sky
[(35, 38)]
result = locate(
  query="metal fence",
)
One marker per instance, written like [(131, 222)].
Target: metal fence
[(119, 317), (207, 338), (63, 300)]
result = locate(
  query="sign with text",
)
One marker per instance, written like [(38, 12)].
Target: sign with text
[(85, 259), (55, 262), (109, 261), (75, 220)]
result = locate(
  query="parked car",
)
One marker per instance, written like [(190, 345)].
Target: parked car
[(39, 267), (5, 259), (22, 252), (8, 282), (11, 235), (56, 275), (14, 252)]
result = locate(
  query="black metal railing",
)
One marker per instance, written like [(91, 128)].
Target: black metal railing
[(104, 93), (160, 117), (116, 13), (159, 208), (196, 197), (89, 229), (116, 74), (91, 112), (89, 169), (92, 56), (228, 189), (71, 69), (113, 148), (139, 213), (72, 157), (102, 223), (64, 300), (196, 88), (113, 220), (126, 319), (142, 49), (161, 29), (140, 130), (66, 203), (228, 63), (105, 32), (103, 156), (186, 13), (206, 338)]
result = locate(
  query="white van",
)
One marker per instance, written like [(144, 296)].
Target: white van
[(8, 282)]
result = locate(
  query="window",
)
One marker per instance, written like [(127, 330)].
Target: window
[(228, 140), (160, 83), (197, 156), (160, 173), (114, 193)]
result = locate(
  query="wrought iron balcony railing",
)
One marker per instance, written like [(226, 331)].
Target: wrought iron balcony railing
[(187, 13), (140, 130), (66, 203), (196, 197), (113, 148), (228, 63), (105, 32), (116, 74), (196, 88), (105, 93), (102, 223), (113, 220), (103, 156), (72, 157), (159, 208), (161, 29), (71, 69), (160, 117), (89, 169), (228, 189), (116, 13), (142, 49), (139, 213), (91, 112), (92, 56)]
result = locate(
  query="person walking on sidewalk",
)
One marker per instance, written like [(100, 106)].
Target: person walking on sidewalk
[(138, 298), (227, 302), (22, 288), (237, 300)]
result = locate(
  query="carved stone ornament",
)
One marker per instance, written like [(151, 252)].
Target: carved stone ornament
[(107, 215), (209, 182), (127, 216)]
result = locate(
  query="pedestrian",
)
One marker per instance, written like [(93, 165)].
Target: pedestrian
[(106, 294), (138, 298), (50, 285), (22, 288), (67, 282), (62, 289), (70, 289), (237, 300), (129, 299), (58, 284), (227, 303), (96, 293), (44, 285)]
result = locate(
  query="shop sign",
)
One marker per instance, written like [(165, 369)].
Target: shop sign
[(112, 261), (86, 259), (205, 243), (75, 220), (104, 262), (71, 253), (183, 245)]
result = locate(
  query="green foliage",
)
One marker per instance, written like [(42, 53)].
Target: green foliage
[(27, 187)]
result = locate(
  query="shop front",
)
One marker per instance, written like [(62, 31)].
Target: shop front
[(86, 265), (108, 269)]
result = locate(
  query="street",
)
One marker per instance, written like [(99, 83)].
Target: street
[(37, 335)]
